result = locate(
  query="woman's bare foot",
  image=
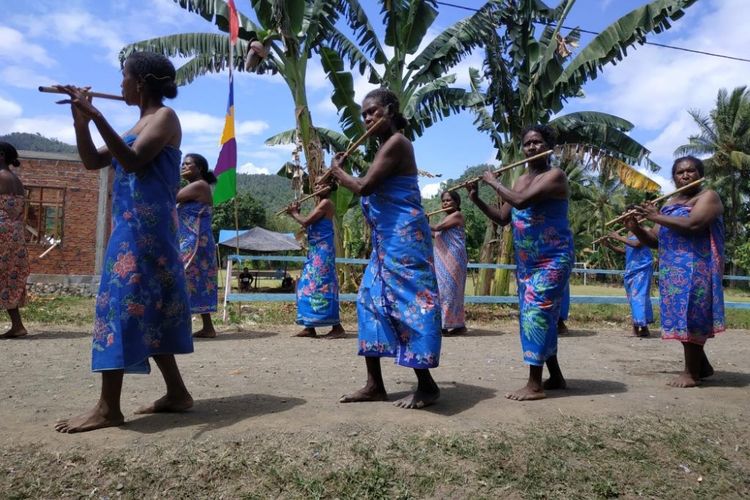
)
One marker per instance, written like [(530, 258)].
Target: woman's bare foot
[(527, 393), (205, 334), (458, 331), (444, 332), (14, 334), (364, 395), (645, 332), (418, 400), (167, 404), (554, 383), (684, 380), (562, 328), (306, 332), (337, 332), (96, 418)]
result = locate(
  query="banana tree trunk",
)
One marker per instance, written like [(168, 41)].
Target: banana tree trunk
[(486, 255), (501, 284)]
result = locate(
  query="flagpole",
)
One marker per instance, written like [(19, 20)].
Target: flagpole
[(232, 40)]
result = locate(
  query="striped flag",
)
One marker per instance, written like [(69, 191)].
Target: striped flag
[(226, 165)]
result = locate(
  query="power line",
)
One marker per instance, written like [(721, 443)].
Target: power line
[(673, 47)]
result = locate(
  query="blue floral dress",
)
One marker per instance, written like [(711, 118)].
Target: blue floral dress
[(198, 255), (398, 309), (690, 273), (544, 258), (639, 272), (318, 286), (142, 308)]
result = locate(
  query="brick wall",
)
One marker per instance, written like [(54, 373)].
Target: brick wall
[(76, 255)]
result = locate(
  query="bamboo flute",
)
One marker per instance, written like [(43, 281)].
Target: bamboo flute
[(502, 169), (305, 198), (430, 214), (53, 90), (657, 200), (355, 145)]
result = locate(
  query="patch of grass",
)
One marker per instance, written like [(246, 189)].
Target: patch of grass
[(59, 309), (700, 457)]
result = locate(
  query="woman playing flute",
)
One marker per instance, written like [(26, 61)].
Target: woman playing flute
[(451, 260), (142, 308), (689, 233), (318, 286), (537, 209), (398, 310), (639, 272)]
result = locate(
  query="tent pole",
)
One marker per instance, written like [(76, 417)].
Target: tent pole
[(237, 242)]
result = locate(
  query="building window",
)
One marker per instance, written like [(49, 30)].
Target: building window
[(44, 214)]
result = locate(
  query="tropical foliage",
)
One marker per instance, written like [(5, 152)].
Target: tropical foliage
[(724, 135), (529, 75)]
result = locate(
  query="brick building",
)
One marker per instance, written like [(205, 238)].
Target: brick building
[(67, 205)]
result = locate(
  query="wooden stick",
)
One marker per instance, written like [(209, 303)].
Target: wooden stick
[(659, 199), (503, 169), (42, 255), (305, 198), (53, 90), (355, 145), (430, 214)]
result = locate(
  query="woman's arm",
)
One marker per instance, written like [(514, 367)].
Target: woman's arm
[(195, 191), (706, 209), (456, 219), (611, 246), (553, 185), (162, 128), (498, 215), (321, 210), (388, 158), (649, 237)]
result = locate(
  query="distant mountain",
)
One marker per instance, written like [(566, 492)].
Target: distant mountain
[(37, 142), (272, 191)]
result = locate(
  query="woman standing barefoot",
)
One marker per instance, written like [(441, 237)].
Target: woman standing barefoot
[(142, 307), (689, 233), (197, 246), (318, 285), (14, 258), (398, 310), (537, 208)]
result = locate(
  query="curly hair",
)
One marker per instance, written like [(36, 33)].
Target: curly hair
[(10, 154), (388, 99), (548, 134), (156, 71)]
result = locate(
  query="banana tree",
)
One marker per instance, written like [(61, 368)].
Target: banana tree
[(281, 41), (529, 77)]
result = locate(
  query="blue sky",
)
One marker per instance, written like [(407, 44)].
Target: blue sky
[(77, 41)]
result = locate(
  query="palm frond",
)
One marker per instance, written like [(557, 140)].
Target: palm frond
[(343, 92)]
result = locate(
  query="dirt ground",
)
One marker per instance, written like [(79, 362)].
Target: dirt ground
[(260, 380)]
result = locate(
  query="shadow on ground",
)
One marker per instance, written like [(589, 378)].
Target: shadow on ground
[(586, 387), (214, 413), (454, 397)]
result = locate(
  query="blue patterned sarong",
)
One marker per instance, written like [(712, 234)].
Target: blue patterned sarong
[(544, 258), (142, 307), (565, 305), (198, 254), (690, 273), (398, 308), (450, 269), (639, 271), (318, 286)]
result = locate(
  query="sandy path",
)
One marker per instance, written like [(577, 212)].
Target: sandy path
[(263, 380)]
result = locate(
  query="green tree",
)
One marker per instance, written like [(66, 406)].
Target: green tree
[(724, 135), (529, 77), (250, 213)]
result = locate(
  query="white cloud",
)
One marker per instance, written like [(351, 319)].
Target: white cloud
[(9, 110), (250, 168), (194, 122), (15, 47), (653, 87), (430, 190), (23, 77)]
